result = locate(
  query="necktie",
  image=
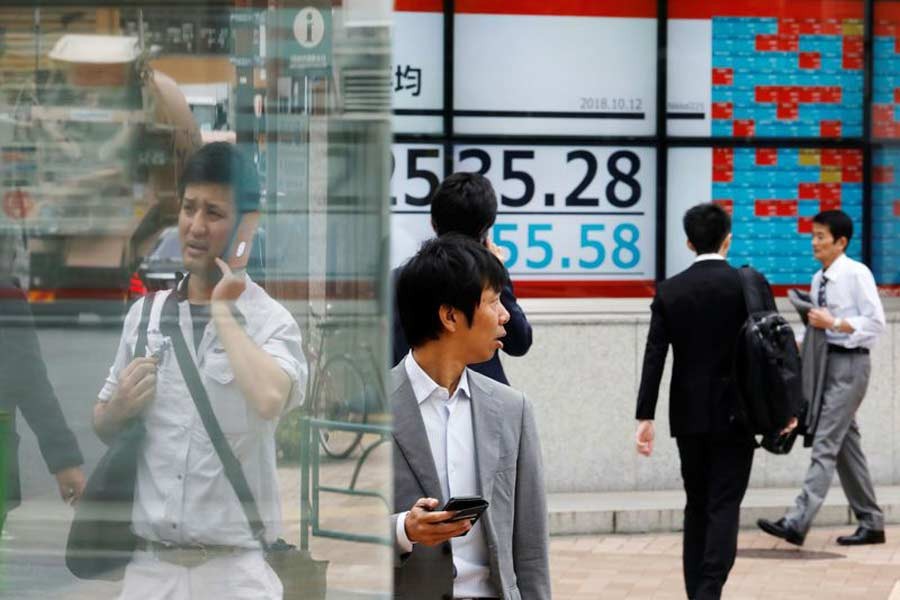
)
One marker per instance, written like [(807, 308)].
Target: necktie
[(822, 290)]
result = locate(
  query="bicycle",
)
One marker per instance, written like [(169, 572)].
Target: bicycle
[(339, 390)]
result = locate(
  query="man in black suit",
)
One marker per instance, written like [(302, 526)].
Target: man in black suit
[(699, 312), (465, 203), (24, 387)]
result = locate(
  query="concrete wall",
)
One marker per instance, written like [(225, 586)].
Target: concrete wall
[(582, 375)]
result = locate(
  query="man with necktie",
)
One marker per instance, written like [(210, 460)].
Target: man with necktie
[(850, 312)]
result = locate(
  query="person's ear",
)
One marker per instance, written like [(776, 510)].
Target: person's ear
[(842, 243), (433, 227), (691, 247), (450, 317), (726, 244)]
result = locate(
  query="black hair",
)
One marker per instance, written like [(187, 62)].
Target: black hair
[(464, 203), (706, 225), (838, 223), (451, 270), (223, 164)]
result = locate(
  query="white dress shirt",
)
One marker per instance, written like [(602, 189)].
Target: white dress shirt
[(709, 256), (448, 424), (182, 495), (851, 294)]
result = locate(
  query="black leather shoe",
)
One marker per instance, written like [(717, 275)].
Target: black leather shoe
[(863, 535), (781, 529)]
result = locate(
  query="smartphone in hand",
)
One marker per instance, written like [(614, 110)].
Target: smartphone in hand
[(238, 253), (467, 508)]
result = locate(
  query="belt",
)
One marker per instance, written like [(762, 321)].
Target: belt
[(835, 349), (187, 555)]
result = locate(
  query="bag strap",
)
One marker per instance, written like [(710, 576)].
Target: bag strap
[(233, 470), (140, 346)]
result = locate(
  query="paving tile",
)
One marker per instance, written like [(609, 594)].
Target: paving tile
[(648, 566)]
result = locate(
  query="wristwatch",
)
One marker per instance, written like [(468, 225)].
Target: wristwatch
[(836, 325)]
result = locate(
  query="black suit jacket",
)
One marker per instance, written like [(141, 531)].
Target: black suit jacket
[(516, 342), (24, 386), (699, 313)]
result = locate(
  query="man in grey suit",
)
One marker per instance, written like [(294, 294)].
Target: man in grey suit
[(458, 433)]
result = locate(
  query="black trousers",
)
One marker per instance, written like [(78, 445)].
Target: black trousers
[(716, 470)]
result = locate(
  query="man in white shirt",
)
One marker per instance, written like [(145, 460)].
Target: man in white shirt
[(851, 314), (194, 538), (459, 433)]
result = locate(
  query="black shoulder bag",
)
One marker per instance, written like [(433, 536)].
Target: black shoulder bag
[(767, 366), (301, 575), (101, 541)]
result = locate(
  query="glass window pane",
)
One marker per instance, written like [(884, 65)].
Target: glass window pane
[(137, 147), (573, 220), (418, 66), (886, 81), (765, 69), (560, 68), (772, 194), (886, 216), (417, 169)]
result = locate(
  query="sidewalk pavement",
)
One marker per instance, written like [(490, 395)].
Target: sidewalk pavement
[(606, 566), (648, 567)]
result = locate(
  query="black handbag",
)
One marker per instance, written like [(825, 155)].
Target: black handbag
[(101, 541), (778, 443), (300, 574)]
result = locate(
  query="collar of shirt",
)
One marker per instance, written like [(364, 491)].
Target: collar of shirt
[(709, 256), (839, 266), (424, 386)]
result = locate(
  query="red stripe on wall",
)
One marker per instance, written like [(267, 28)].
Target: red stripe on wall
[(585, 289), (419, 6), (798, 9), (887, 11), (889, 291), (560, 8), (631, 289)]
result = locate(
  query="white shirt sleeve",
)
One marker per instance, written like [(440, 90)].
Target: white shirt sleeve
[(870, 323), (284, 344), (402, 539)]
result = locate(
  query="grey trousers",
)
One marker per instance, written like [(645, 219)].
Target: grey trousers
[(836, 445)]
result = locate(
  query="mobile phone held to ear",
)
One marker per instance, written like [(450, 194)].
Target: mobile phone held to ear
[(467, 508), (238, 253)]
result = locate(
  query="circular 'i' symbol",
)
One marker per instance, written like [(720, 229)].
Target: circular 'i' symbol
[(309, 27)]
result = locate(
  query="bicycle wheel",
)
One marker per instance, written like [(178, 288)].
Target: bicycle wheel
[(341, 397)]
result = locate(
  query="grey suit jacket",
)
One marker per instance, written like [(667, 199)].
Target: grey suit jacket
[(510, 473), (813, 362)]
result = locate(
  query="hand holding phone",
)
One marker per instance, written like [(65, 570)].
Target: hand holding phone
[(238, 253), (427, 524), (465, 508)]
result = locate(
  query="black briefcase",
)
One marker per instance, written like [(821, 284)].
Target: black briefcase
[(777, 443)]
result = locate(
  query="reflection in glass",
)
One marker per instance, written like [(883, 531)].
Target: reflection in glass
[(100, 108)]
